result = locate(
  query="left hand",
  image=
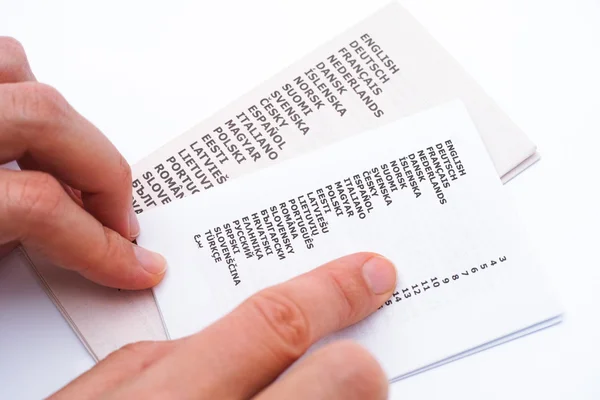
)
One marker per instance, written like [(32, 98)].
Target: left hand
[(72, 200)]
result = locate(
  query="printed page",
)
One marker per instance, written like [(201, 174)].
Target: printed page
[(421, 191), (384, 68)]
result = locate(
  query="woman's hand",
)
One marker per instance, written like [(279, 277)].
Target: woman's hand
[(72, 200), (242, 355)]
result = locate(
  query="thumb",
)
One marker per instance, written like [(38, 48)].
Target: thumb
[(37, 212)]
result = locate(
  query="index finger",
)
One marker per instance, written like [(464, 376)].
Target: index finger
[(268, 332), (37, 122)]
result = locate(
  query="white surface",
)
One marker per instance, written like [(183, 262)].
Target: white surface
[(38, 351), (146, 71)]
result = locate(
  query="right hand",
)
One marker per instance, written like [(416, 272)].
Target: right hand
[(242, 355)]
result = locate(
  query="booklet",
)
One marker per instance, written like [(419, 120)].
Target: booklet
[(382, 69), (421, 191)]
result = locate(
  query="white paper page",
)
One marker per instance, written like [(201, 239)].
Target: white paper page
[(466, 277)]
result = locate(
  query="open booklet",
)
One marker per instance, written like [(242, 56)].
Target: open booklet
[(382, 69), (422, 191)]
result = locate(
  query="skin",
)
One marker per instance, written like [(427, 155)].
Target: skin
[(71, 202)]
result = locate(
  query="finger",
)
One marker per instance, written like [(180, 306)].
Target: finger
[(119, 367), (37, 122), (342, 370), (35, 210), (272, 329), (14, 66), (26, 163)]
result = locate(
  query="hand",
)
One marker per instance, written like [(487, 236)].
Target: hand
[(242, 355), (72, 201)]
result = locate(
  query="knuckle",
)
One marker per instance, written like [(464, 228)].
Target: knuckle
[(37, 196), (139, 349), (358, 371), (37, 102), (139, 355), (113, 250), (283, 319), (351, 293), (10, 44), (124, 172), (13, 54)]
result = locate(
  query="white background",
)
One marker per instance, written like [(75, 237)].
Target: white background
[(145, 71)]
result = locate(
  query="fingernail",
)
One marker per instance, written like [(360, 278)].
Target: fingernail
[(152, 262), (380, 274), (134, 225)]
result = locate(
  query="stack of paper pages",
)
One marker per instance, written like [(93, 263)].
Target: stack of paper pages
[(377, 141)]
